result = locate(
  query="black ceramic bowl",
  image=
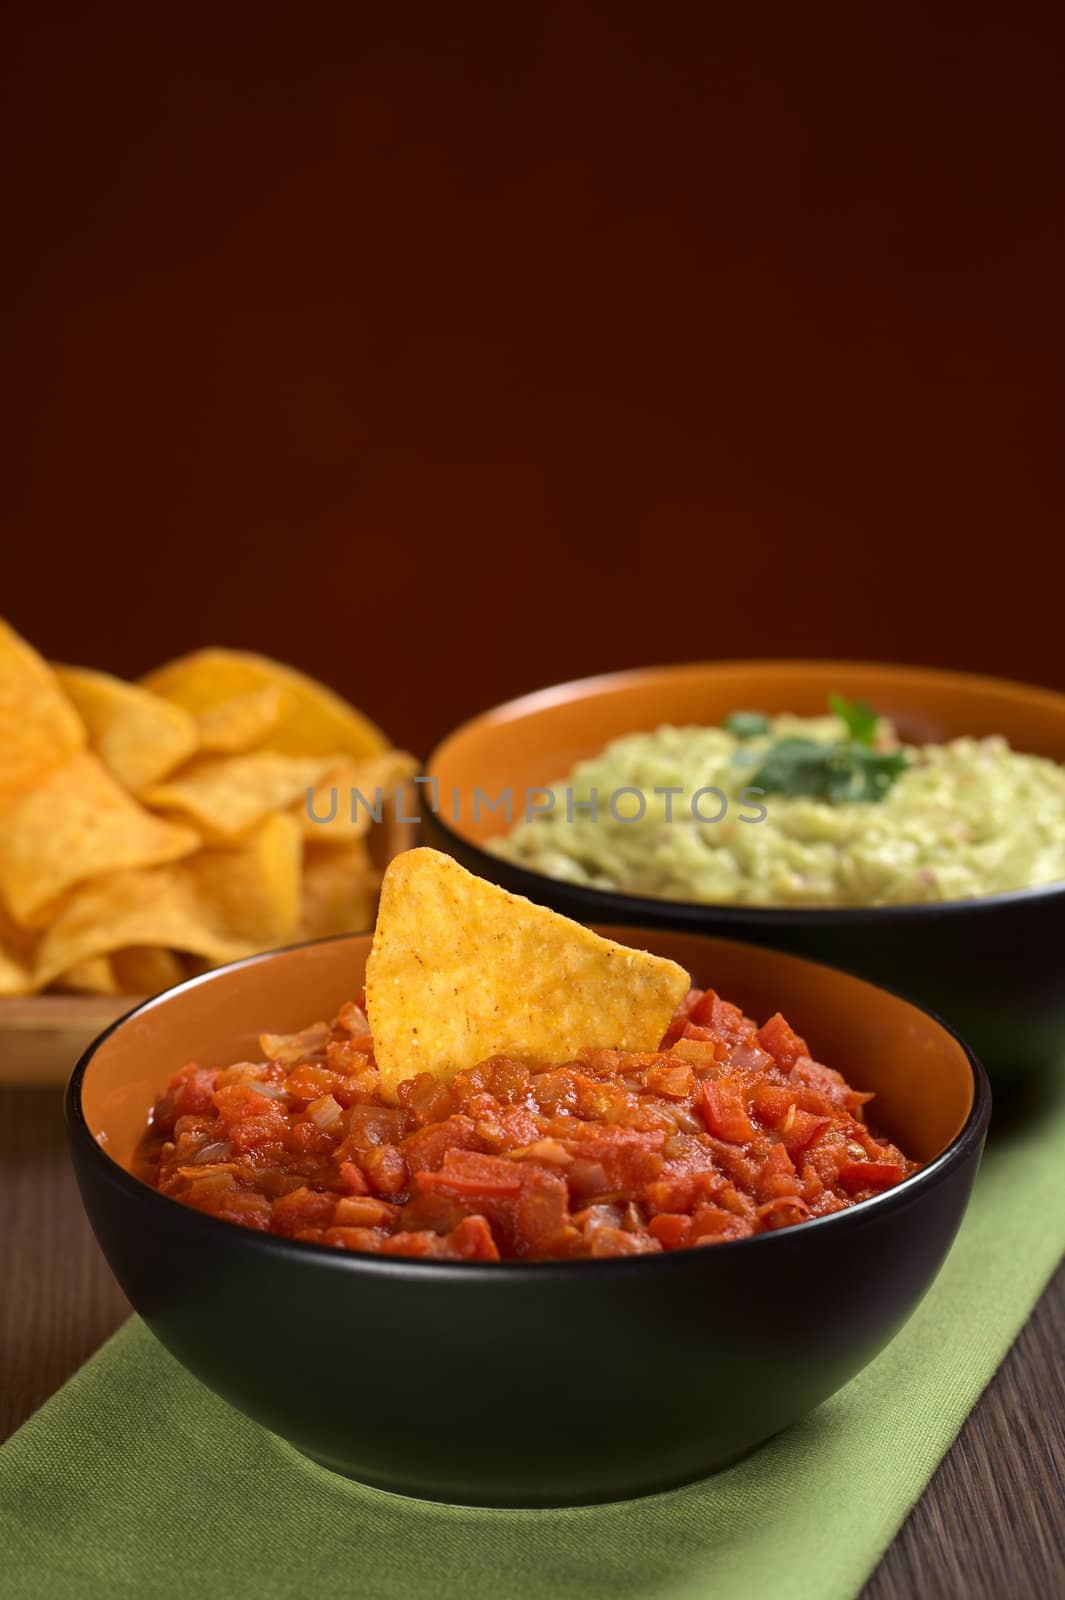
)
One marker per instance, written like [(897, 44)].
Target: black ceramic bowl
[(993, 967), (530, 1384)]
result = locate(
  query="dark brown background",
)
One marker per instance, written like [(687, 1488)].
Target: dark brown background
[(451, 350)]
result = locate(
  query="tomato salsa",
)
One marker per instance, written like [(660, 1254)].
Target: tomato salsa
[(727, 1130)]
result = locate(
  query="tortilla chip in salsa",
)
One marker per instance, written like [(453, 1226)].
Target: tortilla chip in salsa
[(461, 970)]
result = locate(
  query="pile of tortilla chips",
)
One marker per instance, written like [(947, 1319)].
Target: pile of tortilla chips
[(151, 830)]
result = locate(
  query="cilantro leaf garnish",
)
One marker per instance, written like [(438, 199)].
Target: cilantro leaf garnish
[(794, 766), (860, 719), (851, 769), (832, 772)]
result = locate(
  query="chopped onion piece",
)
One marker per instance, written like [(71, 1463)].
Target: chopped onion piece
[(217, 1150), (324, 1112), (551, 1151), (353, 1020), (288, 1048), (272, 1091)]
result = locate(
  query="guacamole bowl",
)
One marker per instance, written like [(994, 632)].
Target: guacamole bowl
[(989, 964), (529, 1382)]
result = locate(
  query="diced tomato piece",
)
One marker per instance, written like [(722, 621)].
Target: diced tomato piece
[(565, 1245), (726, 1020), (557, 1090), (680, 1016), (343, 1057), (736, 1201), (724, 1110), (783, 1043), (473, 1241), (223, 1197), (771, 1103), (240, 1100), (370, 1125), (618, 1242), (700, 1053), (505, 1079), (671, 1193), (370, 1239), (428, 1098), (821, 1088), (385, 1168), (702, 1011), (469, 1175), (418, 1244), (306, 1138), (192, 1091), (714, 1222), (352, 1179), (670, 1229), (675, 1082), (672, 1033), (857, 1175), (425, 1150), (362, 1211), (256, 1133), (356, 1089), (778, 1176), (800, 1129), (543, 1205), (783, 1212), (437, 1211), (308, 1082), (468, 1188), (812, 1183), (302, 1208)]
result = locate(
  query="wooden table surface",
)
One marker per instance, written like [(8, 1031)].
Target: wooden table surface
[(988, 1527)]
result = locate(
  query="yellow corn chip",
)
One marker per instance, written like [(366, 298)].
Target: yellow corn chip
[(18, 942), (77, 823), (461, 970), (354, 795), (154, 907), (39, 728), (314, 722), (15, 979), (339, 889), (252, 889), (227, 797), (94, 975), (139, 736), (145, 969), (243, 721), (16, 958)]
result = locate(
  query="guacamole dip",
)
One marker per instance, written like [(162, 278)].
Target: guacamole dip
[(933, 822)]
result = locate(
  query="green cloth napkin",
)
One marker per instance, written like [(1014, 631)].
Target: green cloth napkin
[(135, 1482)]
